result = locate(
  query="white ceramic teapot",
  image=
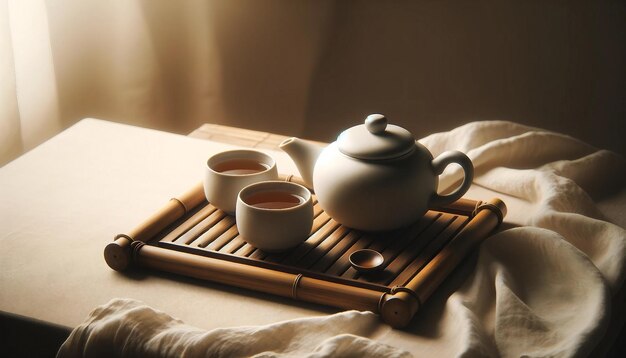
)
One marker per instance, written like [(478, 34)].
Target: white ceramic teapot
[(376, 176)]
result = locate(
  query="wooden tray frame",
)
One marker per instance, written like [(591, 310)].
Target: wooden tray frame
[(396, 305)]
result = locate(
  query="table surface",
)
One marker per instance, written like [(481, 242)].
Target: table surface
[(64, 201), (48, 318)]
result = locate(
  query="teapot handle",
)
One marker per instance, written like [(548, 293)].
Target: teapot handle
[(440, 163)]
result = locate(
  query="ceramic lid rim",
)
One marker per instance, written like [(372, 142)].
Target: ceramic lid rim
[(358, 142)]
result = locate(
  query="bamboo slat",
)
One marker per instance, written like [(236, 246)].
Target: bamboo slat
[(239, 136)]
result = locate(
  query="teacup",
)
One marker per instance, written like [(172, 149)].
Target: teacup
[(228, 172), (274, 215)]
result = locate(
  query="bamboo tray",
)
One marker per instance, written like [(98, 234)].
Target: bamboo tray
[(189, 236)]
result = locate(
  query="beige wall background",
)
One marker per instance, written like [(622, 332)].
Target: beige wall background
[(312, 68)]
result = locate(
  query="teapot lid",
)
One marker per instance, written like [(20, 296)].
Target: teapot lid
[(375, 140)]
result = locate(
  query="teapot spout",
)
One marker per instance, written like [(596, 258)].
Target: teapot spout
[(304, 154)]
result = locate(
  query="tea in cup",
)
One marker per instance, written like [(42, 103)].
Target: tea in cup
[(275, 215), (228, 172)]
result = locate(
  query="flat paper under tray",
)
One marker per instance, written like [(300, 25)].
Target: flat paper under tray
[(191, 237)]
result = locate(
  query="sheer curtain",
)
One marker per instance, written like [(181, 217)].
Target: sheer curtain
[(25, 25), (160, 64)]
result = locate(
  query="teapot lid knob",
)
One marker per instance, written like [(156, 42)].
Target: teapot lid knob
[(375, 140), (376, 123)]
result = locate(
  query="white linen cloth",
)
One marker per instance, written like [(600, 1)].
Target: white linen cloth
[(541, 287), (126, 327)]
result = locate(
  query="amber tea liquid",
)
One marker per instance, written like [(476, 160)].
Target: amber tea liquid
[(240, 167), (274, 200)]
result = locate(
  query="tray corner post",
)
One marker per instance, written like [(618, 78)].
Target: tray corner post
[(118, 254), (398, 307)]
